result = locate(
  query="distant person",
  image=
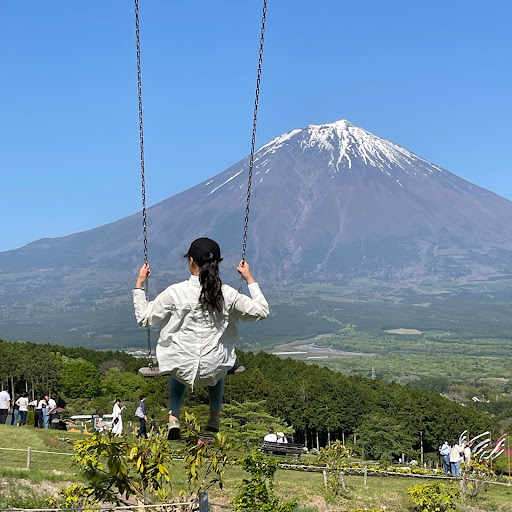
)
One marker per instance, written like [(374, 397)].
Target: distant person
[(467, 452), (23, 408), (46, 416), (117, 418), (15, 412), (444, 451), (99, 424), (456, 452), (281, 438), (39, 412), (5, 405), (142, 413), (154, 430), (196, 346), (51, 410), (270, 437)]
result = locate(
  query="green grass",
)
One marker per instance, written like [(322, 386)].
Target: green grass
[(43, 465)]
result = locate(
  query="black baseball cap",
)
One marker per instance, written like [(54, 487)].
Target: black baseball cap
[(203, 250)]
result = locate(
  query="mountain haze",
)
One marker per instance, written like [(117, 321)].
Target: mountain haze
[(329, 203)]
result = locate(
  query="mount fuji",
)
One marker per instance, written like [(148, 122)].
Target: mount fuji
[(330, 203)]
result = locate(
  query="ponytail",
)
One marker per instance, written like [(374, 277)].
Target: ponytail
[(211, 297)]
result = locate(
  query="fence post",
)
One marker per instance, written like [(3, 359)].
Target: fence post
[(324, 471), (29, 456), (203, 502), (365, 475)]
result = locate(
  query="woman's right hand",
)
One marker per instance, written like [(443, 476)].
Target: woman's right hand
[(144, 273), (244, 271)]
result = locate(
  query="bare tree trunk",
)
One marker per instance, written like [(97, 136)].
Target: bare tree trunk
[(328, 438), (317, 442)]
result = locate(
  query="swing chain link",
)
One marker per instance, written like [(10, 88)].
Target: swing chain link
[(254, 122), (143, 179)]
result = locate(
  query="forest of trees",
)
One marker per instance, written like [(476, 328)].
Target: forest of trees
[(318, 405)]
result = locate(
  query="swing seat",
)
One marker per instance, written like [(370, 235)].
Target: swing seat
[(149, 371)]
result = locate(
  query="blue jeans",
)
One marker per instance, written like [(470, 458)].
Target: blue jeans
[(23, 418), (46, 419), (455, 468), (177, 394), (446, 463), (15, 417)]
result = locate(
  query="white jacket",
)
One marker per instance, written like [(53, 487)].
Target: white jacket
[(195, 346), (456, 453)]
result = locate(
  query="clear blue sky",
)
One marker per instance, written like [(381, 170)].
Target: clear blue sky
[(433, 76)]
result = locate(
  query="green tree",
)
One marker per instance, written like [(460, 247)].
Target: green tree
[(335, 458), (122, 385), (80, 379), (383, 437), (249, 422)]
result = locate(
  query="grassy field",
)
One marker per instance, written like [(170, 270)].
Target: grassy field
[(22, 488)]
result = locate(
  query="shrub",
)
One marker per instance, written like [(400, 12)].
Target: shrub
[(335, 458), (257, 493), (116, 470), (432, 497)]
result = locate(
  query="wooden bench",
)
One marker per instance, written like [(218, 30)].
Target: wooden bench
[(281, 448)]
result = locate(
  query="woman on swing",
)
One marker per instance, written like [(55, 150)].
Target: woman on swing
[(196, 346)]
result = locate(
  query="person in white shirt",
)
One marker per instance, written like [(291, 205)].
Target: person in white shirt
[(117, 418), (196, 345), (467, 452), (51, 411), (23, 408), (271, 437), (5, 405), (281, 438), (456, 452)]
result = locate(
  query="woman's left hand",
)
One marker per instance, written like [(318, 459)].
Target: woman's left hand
[(144, 273)]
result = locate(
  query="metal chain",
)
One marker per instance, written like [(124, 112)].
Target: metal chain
[(141, 138), (254, 122)]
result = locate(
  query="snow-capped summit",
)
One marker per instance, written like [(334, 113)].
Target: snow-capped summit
[(343, 153), (348, 141)]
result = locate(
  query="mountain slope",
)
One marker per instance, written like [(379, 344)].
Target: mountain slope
[(329, 203)]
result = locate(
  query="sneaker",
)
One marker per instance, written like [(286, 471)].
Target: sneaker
[(173, 430), (212, 425), (240, 369)]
